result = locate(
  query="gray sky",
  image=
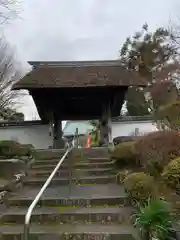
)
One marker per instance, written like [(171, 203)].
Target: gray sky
[(81, 29)]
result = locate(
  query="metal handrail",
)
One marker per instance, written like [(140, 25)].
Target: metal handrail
[(44, 187)]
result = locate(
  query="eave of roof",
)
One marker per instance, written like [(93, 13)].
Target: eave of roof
[(78, 74)]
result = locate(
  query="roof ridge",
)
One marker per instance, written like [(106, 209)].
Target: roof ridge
[(75, 63)]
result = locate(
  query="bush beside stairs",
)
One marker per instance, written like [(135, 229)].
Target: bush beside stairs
[(94, 208)]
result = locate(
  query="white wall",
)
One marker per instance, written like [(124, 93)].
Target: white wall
[(123, 128), (126, 128), (38, 135)]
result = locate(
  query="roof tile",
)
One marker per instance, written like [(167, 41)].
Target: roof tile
[(78, 74)]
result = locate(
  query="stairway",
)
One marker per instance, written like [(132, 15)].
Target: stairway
[(95, 207)]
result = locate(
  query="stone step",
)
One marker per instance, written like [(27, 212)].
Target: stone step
[(47, 215), (93, 152), (58, 153), (80, 160), (118, 200), (103, 179), (96, 159), (46, 154), (70, 231), (77, 172), (57, 201), (82, 195), (49, 166)]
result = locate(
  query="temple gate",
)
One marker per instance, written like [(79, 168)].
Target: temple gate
[(78, 91)]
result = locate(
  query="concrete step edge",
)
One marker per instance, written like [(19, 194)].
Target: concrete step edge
[(74, 165), (94, 228), (73, 178), (81, 170), (73, 210)]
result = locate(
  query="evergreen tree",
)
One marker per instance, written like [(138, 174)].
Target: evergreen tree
[(153, 56)]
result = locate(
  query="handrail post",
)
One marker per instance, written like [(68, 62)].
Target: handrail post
[(76, 143), (70, 173), (77, 137), (26, 232)]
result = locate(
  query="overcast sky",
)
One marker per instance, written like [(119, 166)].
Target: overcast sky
[(61, 30)]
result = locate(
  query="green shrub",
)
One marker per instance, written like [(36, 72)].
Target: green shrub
[(27, 150), (28, 146), (171, 174), (24, 151), (155, 150), (124, 154), (155, 220), (140, 187), (10, 149)]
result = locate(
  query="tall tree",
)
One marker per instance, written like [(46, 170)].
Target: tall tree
[(169, 113), (136, 103), (153, 55), (10, 72)]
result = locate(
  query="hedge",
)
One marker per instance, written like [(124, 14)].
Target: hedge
[(9, 149), (171, 174), (140, 187), (157, 149), (124, 154)]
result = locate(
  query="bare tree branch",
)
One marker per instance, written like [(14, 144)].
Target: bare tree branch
[(9, 10), (9, 74)]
